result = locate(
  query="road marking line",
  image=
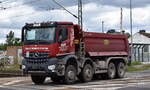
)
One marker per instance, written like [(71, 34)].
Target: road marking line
[(93, 86), (1, 86), (13, 82)]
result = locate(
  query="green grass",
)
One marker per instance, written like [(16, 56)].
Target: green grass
[(133, 68), (136, 63), (14, 67)]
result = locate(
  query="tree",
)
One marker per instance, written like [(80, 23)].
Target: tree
[(3, 46), (10, 38), (128, 34), (17, 41)]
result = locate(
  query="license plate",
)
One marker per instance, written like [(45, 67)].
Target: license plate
[(35, 67)]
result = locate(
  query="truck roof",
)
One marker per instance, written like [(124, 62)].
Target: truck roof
[(48, 23), (100, 35)]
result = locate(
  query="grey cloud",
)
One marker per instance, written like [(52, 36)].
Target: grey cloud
[(117, 3), (37, 5)]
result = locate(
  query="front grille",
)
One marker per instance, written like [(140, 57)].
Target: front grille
[(38, 55), (37, 61)]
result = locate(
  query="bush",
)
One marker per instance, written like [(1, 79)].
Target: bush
[(3, 62)]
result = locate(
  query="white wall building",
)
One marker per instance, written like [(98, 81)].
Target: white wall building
[(141, 44)]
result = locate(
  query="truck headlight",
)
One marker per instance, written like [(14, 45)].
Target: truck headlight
[(27, 54), (23, 66), (51, 67)]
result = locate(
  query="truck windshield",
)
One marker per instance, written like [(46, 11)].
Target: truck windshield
[(40, 35)]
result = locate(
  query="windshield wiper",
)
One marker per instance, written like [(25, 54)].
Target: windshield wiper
[(43, 41), (31, 42)]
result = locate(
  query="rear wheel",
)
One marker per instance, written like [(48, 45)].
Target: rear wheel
[(111, 73), (70, 74), (120, 70), (38, 79), (87, 73)]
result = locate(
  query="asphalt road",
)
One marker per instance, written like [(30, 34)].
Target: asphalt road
[(133, 81)]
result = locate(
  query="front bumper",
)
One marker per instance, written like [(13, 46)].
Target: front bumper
[(51, 66)]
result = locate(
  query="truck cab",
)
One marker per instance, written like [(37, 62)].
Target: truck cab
[(45, 47)]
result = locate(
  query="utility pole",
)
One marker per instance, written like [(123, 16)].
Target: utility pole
[(121, 21), (102, 26), (80, 22), (131, 30)]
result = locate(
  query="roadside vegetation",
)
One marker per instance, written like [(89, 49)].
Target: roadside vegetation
[(6, 66), (137, 66), (13, 67), (136, 63)]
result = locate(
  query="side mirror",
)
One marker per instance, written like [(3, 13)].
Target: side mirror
[(60, 38)]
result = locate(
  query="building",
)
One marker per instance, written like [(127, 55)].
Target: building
[(15, 53), (2, 52), (141, 46)]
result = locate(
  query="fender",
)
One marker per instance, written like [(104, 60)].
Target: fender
[(84, 60), (64, 59)]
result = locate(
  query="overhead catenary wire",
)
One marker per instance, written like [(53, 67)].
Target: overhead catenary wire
[(31, 13), (4, 1), (7, 1), (64, 8), (18, 5)]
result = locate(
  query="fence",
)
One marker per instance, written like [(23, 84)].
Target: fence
[(9, 64), (141, 52)]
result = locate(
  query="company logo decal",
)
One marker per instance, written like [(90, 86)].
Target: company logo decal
[(106, 42)]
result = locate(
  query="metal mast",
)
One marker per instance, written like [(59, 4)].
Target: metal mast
[(80, 22), (102, 26), (121, 17), (131, 23)]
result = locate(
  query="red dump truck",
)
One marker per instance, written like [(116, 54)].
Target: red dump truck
[(62, 51)]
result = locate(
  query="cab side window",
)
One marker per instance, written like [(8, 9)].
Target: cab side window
[(63, 34)]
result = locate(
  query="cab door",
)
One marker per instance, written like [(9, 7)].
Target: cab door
[(63, 40)]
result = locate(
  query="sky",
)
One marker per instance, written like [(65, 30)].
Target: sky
[(15, 13)]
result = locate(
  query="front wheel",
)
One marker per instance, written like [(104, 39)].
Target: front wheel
[(70, 74), (120, 70), (38, 79), (87, 73)]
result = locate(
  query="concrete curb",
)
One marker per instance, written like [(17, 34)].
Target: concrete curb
[(11, 73)]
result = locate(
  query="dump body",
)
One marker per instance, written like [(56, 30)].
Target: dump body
[(100, 44)]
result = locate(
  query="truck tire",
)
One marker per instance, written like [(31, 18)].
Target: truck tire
[(111, 73), (38, 79), (86, 73), (70, 74), (120, 70)]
